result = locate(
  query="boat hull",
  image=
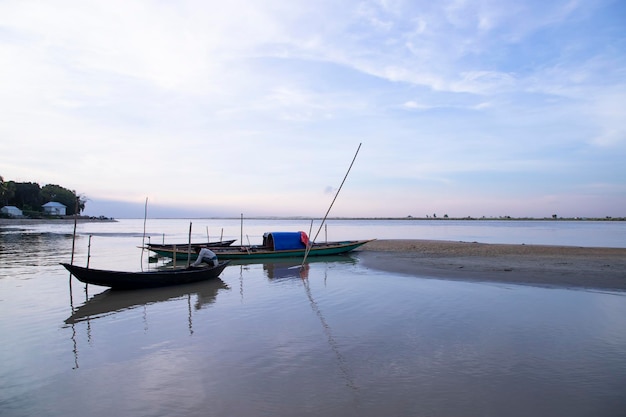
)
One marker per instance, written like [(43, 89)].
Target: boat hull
[(185, 246), (260, 252), (150, 279)]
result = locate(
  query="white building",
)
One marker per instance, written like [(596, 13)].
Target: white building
[(54, 208), (12, 211)]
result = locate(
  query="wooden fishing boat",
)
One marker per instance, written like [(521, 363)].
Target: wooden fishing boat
[(275, 245), (185, 246), (147, 279), (186, 250)]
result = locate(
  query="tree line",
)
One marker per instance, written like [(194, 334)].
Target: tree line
[(30, 197)]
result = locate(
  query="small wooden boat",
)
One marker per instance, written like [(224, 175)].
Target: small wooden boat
[(185, 246), (149, 279), (275, 245)]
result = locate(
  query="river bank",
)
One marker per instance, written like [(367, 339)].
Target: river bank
[(23, 221), (538, 265)]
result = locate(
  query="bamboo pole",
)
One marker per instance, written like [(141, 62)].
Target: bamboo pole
[(143, 239), (308, 249), (73, 244), (189, 247), (74, 236), (89, 251)]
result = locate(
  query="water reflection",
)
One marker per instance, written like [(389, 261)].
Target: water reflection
[(332, 342), (285, 268), (112, 301), (338, 340), (21, 249), (289, 269)]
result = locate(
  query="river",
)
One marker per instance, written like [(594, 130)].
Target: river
[(337, 340)]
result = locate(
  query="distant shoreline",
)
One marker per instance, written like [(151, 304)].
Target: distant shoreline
[(443, 219), (86, 219), (17, 222)]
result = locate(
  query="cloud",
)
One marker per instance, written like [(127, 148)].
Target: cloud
[(228, 105)]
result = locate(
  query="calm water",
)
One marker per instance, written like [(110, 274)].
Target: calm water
[(342, 340)]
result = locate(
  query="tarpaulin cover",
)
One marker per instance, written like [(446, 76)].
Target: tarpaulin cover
[(286, 240)]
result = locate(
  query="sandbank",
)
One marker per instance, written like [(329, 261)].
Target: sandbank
[(538, 265)]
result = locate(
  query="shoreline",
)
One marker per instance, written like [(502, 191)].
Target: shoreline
[(536, 265), (18, 222)]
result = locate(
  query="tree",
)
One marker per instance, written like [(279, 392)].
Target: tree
[(53, 192), (27, 196), (7, 191)]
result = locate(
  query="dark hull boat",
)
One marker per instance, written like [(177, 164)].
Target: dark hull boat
[(275, 245), (149, 279), (184, 247)]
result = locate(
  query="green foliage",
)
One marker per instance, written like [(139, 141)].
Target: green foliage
[(7, 191), (29, 197), (53, 192)]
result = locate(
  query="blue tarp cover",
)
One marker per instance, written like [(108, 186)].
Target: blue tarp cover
[(287, 240)]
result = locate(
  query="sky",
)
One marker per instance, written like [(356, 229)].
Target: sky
[(211, 108)]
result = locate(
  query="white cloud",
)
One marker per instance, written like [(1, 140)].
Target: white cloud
[(264, 103)]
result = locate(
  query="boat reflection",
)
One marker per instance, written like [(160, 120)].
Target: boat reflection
[(278, 270), (112, 301), (287, 268)]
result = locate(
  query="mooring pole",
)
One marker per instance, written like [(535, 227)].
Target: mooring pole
[(308, 249)]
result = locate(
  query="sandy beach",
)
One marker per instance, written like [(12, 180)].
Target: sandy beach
[(547, 266)]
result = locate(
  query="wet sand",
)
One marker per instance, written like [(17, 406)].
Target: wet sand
[(538, 265)]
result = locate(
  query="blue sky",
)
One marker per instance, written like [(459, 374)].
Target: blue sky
[(206, 108)]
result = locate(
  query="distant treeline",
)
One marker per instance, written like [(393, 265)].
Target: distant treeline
[(443, 219), (30, 197), (607, 218)]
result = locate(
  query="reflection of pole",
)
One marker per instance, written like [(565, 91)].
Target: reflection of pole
[(190, 322), (73, 337), (331, 340), (241, 282), (75, 348)]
